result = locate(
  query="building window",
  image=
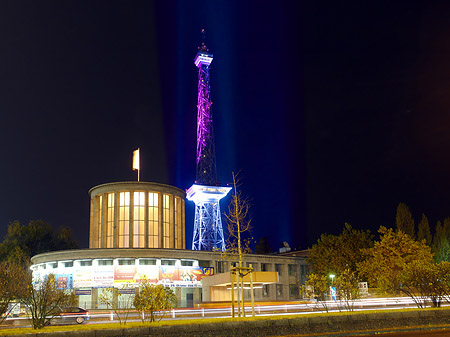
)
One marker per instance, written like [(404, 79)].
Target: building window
[(278, 268), (110, 221), (166, 220), (68, 264), (105, 262), (138, 220), (86, 263), (147, 262), (98, 220), (279, 291), (221, 266), (293, 291), (167, 262), (204, 264), (187, 263), (126, 262), (124, 219), (153, 222), (53, 265), (265, 267), (265, 290), (292, 270), (177, 224)]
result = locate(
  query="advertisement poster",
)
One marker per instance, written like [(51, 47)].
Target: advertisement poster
[(103, 278), (184, 276), (82, 278), (64, 281), (149, 273), (124, 274)]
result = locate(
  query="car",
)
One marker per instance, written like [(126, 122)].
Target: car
[(76, 314)]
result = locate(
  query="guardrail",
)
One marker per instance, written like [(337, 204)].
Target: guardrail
[(260, 310)]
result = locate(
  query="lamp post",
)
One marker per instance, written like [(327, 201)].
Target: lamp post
[(332, 276), (332, 289)]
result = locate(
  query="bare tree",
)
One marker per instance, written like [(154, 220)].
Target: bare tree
[(238, 239), (120, 300)]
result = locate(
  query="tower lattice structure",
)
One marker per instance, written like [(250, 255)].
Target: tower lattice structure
[(205, 193)]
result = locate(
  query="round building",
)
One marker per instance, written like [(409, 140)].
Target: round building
[(137, 215)]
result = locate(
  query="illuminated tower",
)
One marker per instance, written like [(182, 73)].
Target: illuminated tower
[(208, 232)]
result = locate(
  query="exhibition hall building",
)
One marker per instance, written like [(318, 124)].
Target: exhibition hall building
[(137, 232)]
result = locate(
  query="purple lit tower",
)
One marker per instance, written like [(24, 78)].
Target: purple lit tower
[(208, 232)]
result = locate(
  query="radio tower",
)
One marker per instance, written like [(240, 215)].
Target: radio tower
[(208, 232)]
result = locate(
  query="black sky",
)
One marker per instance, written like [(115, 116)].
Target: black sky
[(334, 111)]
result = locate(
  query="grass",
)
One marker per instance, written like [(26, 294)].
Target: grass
[(84, 327)]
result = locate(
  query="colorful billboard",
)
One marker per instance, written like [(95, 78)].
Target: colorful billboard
[(119, 275)]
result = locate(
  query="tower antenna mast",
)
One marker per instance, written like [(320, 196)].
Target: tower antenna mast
[(205, 193)]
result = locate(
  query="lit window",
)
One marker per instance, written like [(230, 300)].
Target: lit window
[(166, 220), (124, 219), (138, 220), (177, 224), (153, 220), (110, 221), (98, 220)]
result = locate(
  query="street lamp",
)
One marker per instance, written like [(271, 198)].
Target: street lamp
[(332, 276)]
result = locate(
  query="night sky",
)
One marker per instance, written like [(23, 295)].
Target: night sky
[(333, 111)]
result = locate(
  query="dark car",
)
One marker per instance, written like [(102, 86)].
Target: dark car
[(74, 314)]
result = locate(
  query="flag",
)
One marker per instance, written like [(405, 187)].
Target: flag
[(136, 160)]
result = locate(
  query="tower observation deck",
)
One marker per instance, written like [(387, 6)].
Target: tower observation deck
[(208, 232)]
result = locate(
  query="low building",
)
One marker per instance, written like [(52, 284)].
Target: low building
[(137, 231)]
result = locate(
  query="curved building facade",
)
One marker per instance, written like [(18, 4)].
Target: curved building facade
[(137, 215)]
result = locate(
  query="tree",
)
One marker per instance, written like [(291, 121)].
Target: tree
[(423, 230), (426, 281), (347, 288), (441, 241), (317, 287), (45, 300), (386, 260), (154, 300), (334, 254), (11, 286), (238, 239), (24, 241), (263, 246), (119, 300), (404, 220)]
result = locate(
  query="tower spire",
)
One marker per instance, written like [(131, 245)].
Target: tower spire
[(205, 193), (206, 154)]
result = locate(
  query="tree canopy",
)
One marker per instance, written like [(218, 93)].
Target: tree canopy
[(337, 253), (404, 220), (24, 241), (385, 261)]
